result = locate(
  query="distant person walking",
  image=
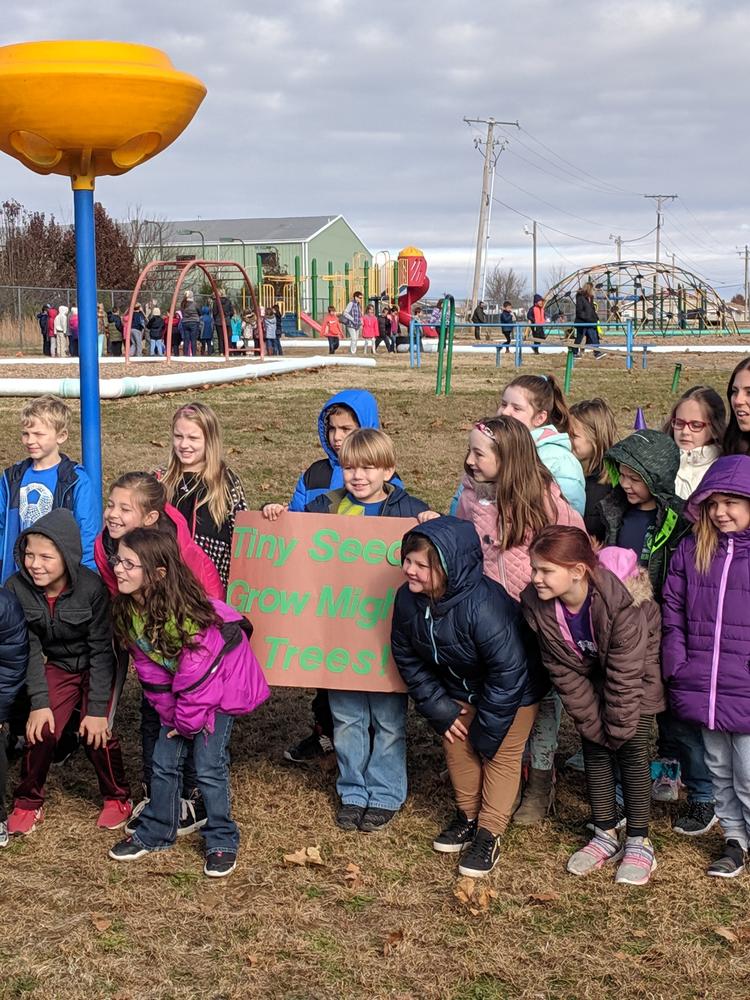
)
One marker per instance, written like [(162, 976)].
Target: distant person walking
[(43, 320), (587, 319), (352, 317), (537, 317), (331, 328), (479, 316)]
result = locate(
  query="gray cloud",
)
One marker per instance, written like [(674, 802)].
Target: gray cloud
[(320, 106)]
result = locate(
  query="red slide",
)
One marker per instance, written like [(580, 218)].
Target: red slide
[(310, 322), (416, 285)]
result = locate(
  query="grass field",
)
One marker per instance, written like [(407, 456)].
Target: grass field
[(381, 917)]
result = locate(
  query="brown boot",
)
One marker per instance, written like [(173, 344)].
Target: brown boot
[(538, 798)]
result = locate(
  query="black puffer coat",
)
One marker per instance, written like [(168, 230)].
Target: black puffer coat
[(14, 651), (472, 645)]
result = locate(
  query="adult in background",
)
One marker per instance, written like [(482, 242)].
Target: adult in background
[(101, 328), (384, 330), (352, 317), (587, 318), (58, 345), (73, 332), (223, 307), (43, 320), (155, 327), (190, 325), (207, 331), (137, 326), (478, 316), (115, 332)]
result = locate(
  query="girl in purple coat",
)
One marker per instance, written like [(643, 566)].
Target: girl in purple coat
[(706, 643), (197, 670)]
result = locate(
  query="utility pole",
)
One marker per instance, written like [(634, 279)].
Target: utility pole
[(532, 233), (618, 244), (659, 199), (490, 159), (744, 253)]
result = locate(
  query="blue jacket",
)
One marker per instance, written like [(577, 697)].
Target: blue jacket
[(73, 492), (554, 450), (207, 324), (14, 651), (472, 645), (398, 503), (325, 474)]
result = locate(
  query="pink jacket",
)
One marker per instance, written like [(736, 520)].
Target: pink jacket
[(192, 555), (220, 674), (511, 568), (369, 326)]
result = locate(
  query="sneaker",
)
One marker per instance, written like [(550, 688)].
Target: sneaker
[(23, 821), (4, 837), (601, 850), (132, 824), (697, 819), (193, 814), (731, 863), (598, 355), (666, 781), (638, 862), (220, 863), (127, 850), (312, 748), (349, 817), (115, 813), (619, 825), (457, 836), (376, 819), (482, 856)]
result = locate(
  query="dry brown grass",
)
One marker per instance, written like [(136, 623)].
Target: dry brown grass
[(77, 925)]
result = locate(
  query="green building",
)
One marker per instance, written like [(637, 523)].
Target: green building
[(315, 244)]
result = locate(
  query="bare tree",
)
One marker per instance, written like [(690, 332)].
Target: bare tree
[(555, 274), (503, 283)]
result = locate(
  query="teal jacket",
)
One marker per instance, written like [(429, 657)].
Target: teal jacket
[(555, 451)]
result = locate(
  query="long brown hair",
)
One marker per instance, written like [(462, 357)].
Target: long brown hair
[(713, 410), (414, 542), (545, 393), (172, 598), (523, 487), (596, 417), (214, 475), (736, 442)]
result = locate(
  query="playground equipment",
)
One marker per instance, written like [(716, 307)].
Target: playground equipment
[(116, 388), (447, 317), (85, 109), (654, 297), (413, 283)]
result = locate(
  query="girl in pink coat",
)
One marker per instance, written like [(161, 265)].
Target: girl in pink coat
[(198, 671), (509, 495), (369, 328)]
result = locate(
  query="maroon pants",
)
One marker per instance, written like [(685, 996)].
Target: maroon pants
[(66, 693)]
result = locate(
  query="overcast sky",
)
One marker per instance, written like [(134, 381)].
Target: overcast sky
[(338, 106)]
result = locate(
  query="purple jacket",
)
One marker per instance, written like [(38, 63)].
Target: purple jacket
[(706, 619), (221, 674)]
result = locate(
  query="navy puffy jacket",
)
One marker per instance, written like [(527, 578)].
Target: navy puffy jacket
[(470, 646), (14, 651)]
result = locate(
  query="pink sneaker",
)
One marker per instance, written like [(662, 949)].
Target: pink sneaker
[(115, 813), (23, 821)]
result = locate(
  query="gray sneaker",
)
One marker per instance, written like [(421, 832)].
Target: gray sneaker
[(601, 850), (638, 862), (4, 838)]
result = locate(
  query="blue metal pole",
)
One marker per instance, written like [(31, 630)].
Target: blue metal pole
[(519, 348), (629, 344), (91, 429), (411, 345)]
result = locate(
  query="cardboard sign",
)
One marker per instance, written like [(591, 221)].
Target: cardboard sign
[(319, 591)]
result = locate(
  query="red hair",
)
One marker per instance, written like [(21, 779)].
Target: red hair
[(565, 546)]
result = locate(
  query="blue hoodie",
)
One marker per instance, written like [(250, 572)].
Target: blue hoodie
[(325, 474)]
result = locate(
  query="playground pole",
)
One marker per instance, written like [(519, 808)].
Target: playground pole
[(449, 301), (366, 281), (395, 282), (440, 361), (297, 282), (629, 344), (259, 266), (519, 346), (676, 377), (314, 285), (568, 369), (330, 283), (346, 281)]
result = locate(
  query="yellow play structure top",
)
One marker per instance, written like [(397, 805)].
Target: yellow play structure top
[(86, 108), (411, 252)]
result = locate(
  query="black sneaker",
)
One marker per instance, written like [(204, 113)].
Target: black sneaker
[(350, 817), (697, 819), (312, 748), (731, 863), (457, 836), (127, 850), (376, 819), (192, 814), (482, 856), (220, 863)]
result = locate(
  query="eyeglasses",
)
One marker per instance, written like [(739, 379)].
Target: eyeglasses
[(484, 429), (127, 564), (694, 425)]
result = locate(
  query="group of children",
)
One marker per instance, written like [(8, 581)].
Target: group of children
[(574, 571)]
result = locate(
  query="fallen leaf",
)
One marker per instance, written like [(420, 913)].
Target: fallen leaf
[(623, 956), (157, 444), (265, 487), (352, 876), (234, 451), (743, 933), (101, 922), (727, 934), (392, 941), (640, 934), (305, 856), (479, 896), (252, 961), (544, 897), (464, 889)]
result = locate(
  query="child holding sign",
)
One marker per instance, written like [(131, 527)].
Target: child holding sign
[(372, 782), (457, 639)]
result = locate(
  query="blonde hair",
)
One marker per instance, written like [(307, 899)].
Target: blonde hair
[(598, 421), (367, 447), (706, 539), (524, 499), (50, 410), (214, 475)]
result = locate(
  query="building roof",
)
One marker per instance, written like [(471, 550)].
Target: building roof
[(294, 229)]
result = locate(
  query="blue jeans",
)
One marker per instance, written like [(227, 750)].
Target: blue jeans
[(157, 347), (150, 732), (157, 829), (370, 777), (683, 741)]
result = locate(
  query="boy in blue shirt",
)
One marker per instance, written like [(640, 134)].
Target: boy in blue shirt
[(47, 479)]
